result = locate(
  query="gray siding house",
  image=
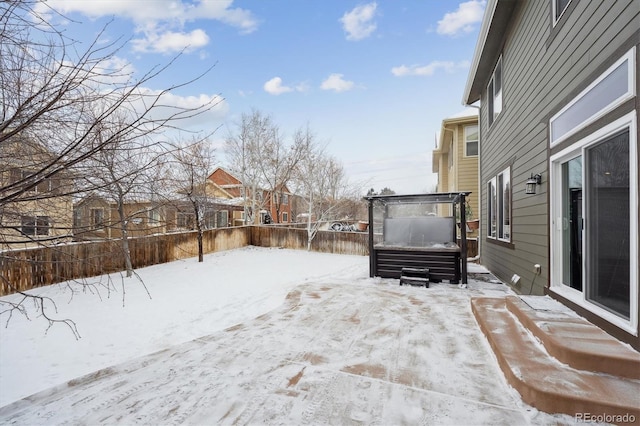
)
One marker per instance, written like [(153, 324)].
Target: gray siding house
[(557, 82)]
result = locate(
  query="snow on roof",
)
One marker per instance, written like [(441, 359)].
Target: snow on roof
[(467, 112)]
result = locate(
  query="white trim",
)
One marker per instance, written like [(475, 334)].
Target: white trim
[(579, 297), (630, 93), (499, 209), (553, 11)]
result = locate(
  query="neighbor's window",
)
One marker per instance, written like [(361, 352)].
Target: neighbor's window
[(285, 199), (35, 225), (97, 218), (494, 92), (285, 217), (559, 6), (499, 207), (471, 140), (209, 219), (45, 185), (77, 218), (154, 216), (222, 218), (185, 220)]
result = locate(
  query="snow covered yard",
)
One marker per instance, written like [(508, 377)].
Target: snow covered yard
[(260, 336)]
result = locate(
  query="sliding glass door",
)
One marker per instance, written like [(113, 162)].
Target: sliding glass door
[(594, 235)]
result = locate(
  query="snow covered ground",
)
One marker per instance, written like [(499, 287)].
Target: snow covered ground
[(259, 335)]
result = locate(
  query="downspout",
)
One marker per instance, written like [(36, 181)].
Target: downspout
[(478, 256)]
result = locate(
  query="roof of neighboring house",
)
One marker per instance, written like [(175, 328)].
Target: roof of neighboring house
[(230, 180), (496, 18), (235, 182)]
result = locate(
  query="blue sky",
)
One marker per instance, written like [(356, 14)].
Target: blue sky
[(373, 80)]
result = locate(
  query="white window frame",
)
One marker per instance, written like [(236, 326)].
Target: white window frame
[(495, 98), (630, 93), (153, 216), (41, 225), (466, 142), (96, 225), (224, 217), (555, 223), (554, 11), (285, 217), (495, 234), (77, 218)]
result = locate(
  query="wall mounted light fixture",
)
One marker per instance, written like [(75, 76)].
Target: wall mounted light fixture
[(532, 182)]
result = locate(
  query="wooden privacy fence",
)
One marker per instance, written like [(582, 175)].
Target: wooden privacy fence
[(356, 243), (21, 270)]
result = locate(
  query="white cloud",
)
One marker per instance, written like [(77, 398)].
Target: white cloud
[(275, 87), (302, 87), (169, 103), (463, 19), (169, 15), (336, 83), (429, 69), (358, 23), (171, 42)]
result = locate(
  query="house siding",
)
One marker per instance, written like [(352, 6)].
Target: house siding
[(543, 68)]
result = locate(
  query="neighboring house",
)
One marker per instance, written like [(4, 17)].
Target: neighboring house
[(96, 218), (272, 206), (41, 214), (557, 81), (455, 160)]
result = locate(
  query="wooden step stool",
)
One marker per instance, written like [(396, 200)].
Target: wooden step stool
[(415, 276)]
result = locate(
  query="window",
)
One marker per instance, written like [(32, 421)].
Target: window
[(471, 141), (35, 225), (185, 220), (285, 199), (77, 218), (154, 217), (494, 92), (499, 206), (611, 89), (559, 6), (97, 218), (285, 217), (222, 218)]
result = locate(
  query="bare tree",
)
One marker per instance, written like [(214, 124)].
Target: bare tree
[(122, 172), (322, 180), (245, 152), (59, 96), (278, 164), (192, 164)]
